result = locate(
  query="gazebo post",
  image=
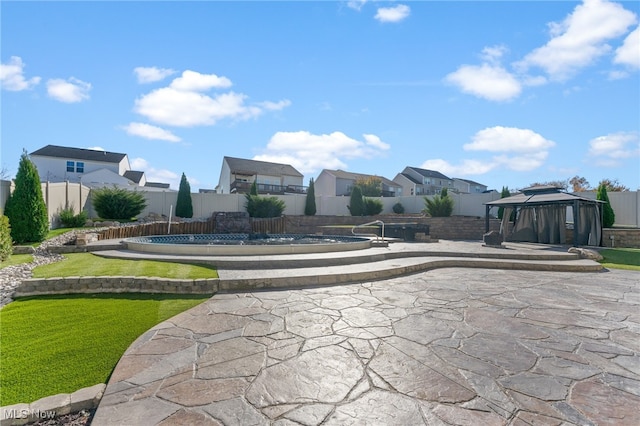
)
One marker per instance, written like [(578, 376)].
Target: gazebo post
[(576, 221), (486, 218)]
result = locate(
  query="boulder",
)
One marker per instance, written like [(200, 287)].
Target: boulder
[(586, 253), (492, 238)]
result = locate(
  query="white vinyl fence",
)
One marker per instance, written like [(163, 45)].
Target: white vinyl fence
[(57, 196)]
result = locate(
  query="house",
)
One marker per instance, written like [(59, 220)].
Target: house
[(466, 186), (417, 181), (91, 167), (238, 174), (339, 182)]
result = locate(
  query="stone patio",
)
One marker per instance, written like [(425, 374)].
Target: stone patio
[(452, 346)]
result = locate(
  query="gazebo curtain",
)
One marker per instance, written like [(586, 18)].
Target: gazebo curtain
[(540, 224), (589, 229)]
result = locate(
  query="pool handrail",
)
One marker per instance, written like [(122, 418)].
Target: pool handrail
[(379, 222)]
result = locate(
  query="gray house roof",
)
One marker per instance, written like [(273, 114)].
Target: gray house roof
[(429, 173), (133, 175), (410, 178), (157, 185), (80, 154), (470, 182), (241, 165)]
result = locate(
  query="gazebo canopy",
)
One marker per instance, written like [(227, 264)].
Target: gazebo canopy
[(540, 195), (540, 216)]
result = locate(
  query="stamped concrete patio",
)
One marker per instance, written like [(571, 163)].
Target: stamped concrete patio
[(454, 346)]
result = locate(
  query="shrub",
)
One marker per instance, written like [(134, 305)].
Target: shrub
[(69, 219), (258, 206), (6, 246), (254, 188), (398, 208), (372, 206), (608, 215), (440, 206), (356, 204), (310, 202), (117, 203), (25, 207), (184, 205)]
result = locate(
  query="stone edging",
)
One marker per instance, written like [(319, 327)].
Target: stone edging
[(115, 284), (52, 406)]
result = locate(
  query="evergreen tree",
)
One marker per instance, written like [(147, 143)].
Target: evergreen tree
[(310, 204), (25, 208), (608, 216), (254, 188), (504, 194), (356, 204), (184, 206)]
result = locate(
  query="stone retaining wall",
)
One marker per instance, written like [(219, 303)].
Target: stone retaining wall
[(68, 285), (627, 238), (52, 406)]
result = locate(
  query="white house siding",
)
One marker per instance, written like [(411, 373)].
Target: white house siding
[(51, 169)]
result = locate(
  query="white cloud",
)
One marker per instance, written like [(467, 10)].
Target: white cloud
[(148, 131), (465, 168), (356, 4), (393, 14), (493, 54), (580, 39), (310, 153), (12, 76), (182, 104), (529, 149), (152, 74), (629, 53), (192, 81), (69, 91), (157, 175), (508, 139), (96, 148), (611, 149), (487, 81)]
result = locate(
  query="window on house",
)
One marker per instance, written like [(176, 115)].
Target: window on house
[(70, 167), (79, 167)]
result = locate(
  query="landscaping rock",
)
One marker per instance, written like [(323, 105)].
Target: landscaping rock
[(586, 253)]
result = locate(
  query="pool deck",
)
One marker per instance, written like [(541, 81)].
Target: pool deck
[(463, 334)]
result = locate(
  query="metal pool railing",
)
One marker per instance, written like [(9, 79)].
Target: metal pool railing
[(375, 222)]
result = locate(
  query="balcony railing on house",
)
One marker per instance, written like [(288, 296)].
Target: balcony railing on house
[(241, 187)]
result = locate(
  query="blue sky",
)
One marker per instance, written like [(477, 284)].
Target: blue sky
[(502, 93)]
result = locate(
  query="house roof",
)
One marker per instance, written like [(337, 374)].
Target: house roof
[(341, 174), (79, 154), (410, 178), (470, 182), (157, 185), (429, 173), (133, 175), (241, 165), (540, 195)]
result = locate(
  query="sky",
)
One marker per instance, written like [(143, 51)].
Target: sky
[(504, 93)]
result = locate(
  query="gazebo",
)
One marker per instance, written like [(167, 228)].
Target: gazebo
[(539, 216)]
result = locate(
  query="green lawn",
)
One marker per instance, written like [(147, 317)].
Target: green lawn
[(59, 344), (16, 259), (87, 264), (621, 258)]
